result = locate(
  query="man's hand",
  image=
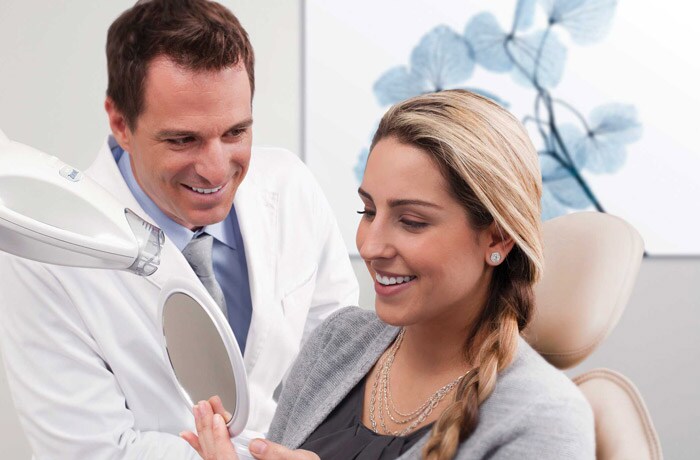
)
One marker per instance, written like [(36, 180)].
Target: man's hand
[(262, 449), (213, 442)]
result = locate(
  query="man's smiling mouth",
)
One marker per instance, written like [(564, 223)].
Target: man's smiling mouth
[(205, 191)]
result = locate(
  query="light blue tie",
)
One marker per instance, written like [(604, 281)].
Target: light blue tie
[(199, 256)]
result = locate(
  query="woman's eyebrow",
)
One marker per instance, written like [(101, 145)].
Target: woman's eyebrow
[(401, 202), (406, 202), (365, 194)]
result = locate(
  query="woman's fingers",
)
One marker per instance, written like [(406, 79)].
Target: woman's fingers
[(212, 441), (218, 408), (193, 441), (263, 449), (204, 421), (222, 439)]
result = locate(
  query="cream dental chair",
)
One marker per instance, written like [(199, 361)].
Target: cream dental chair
[(591, 263)]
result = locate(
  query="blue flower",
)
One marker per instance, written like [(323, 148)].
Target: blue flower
[(602, 149), (586, 20), (488, 42), (441, 60), (560, 189), (536, 60), (524, 14), (539, 59)]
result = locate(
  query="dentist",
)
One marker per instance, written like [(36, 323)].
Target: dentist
[(81, 346)]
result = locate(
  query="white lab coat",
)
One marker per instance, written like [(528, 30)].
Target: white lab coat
[(82, 346)]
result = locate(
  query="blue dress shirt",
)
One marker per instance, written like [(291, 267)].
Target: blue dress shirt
[(228, 253)]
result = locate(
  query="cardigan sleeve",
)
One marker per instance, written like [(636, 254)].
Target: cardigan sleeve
[(556, 430), (300, 373)]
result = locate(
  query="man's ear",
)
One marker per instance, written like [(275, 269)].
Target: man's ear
[(117, 122), (498, 244)]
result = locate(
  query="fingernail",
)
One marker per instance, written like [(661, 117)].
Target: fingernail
[(228, 415), (257, 446), (196, 411), (218, 421), (182, 434)]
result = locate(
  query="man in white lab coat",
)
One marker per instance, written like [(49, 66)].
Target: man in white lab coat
[(82, 347)]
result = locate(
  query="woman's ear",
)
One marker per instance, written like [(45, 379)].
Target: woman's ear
[(498, 244)]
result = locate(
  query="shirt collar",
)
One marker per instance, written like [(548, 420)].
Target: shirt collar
[(222, 231)]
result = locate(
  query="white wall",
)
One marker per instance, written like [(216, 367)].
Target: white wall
[(52, 83)]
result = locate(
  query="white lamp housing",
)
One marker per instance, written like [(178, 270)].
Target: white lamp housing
[(53, 213)]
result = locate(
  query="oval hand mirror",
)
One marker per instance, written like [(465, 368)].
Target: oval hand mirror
[(202, 350)]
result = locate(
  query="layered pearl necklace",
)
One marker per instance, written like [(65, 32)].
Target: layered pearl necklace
[(381, 403)]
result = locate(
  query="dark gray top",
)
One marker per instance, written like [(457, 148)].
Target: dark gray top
[(343, 436), (535, 411)]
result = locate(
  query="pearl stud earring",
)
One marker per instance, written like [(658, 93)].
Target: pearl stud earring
[(495, 257)]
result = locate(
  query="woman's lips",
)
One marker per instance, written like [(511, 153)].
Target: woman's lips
[(392, 289)]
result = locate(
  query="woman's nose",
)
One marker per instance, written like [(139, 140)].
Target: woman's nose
[(374, 241)]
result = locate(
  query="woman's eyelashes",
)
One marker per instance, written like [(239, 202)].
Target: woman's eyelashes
[(409, 223), (413, 224), (367, 214)]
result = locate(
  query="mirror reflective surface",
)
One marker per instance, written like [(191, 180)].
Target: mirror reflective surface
[(197, 352)]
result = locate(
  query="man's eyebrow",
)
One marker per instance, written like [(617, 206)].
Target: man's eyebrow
[(401, 202), (247, 123)]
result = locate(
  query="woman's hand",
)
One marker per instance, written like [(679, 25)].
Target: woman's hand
[(214, 442)]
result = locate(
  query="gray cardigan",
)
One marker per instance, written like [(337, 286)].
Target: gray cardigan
[(535, 411)]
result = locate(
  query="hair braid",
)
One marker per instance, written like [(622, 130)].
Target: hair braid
[(499, 325)]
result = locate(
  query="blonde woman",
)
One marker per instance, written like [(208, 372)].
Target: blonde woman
[(450, 232)]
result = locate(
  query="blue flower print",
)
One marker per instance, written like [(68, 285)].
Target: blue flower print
[(441, 60)]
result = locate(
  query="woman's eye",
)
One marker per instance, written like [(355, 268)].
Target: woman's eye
[(367, 213), (413, 225)]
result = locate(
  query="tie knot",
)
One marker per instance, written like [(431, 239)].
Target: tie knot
[(198, 255)]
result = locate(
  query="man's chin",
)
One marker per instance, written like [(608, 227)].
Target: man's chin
[(201, 218)]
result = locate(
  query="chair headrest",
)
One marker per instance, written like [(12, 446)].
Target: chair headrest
[(591, 263)]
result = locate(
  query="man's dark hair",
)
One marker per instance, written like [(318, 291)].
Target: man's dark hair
[(195, 34)]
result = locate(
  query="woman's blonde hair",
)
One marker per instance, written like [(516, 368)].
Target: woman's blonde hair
[(492, 168)]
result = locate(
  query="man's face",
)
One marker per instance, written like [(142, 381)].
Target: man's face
[(190, 149)]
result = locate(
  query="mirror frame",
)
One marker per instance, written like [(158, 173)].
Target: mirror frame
[(197, 292)]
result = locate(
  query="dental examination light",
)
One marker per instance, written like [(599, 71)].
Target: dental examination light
[(53, 213)]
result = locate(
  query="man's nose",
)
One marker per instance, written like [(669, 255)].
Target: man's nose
[(213, 162)]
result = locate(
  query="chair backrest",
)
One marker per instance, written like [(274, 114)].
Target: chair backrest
[(591, 263), (622, 422)]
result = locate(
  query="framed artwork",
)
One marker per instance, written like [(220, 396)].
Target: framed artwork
[(607, 91)]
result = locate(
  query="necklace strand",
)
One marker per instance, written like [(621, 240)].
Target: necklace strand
[(381, 402)]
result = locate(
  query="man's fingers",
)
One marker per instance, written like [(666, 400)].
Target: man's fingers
[(192, 440), (218, 408), (263, 449)]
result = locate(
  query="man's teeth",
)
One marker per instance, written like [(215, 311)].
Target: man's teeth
[(389, 280), (206, 190)]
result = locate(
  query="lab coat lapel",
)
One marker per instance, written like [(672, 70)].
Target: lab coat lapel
[(256, 209)]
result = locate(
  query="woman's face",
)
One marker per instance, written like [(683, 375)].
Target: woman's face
[(428, 264)]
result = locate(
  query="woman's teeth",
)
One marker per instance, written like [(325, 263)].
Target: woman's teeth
[(206, 191), (389, 280)]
